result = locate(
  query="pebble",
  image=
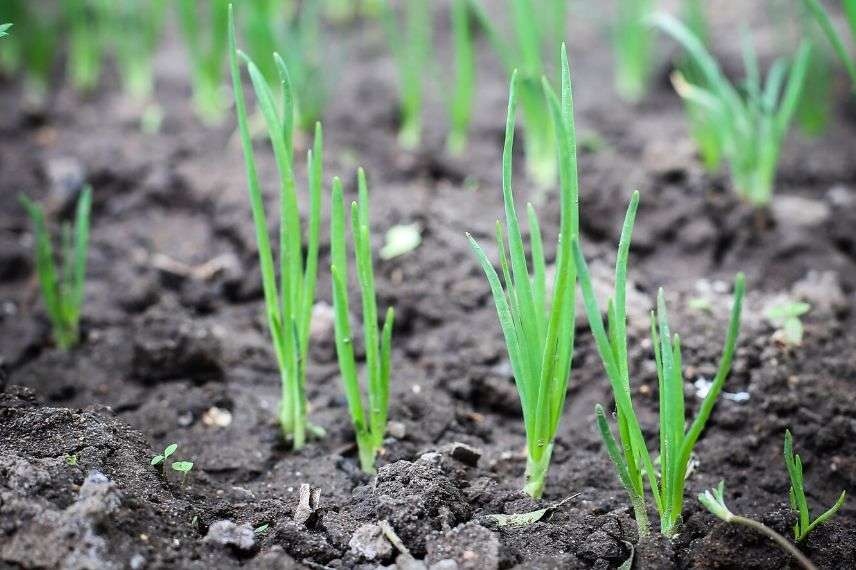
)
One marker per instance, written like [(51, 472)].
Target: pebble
[(225, 533)]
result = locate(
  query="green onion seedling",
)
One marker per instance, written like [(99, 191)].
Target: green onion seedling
[(204, 33), (796, 494), (815, 107), (159, 459), (633, 43), (632, 460), (86, 22), (461, 99), (525, 55), (823, 20), (703, 127), (714, 501), (134, 28), (33, 46), (752, 127), (787, 316), (63, 287), (411, 48), (369, 417), (539, 332), (271, 26), (289, 303)]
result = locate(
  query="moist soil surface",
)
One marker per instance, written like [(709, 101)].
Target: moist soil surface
[(175, 347)]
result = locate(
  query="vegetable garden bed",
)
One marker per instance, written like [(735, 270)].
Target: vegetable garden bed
[(175, 344)]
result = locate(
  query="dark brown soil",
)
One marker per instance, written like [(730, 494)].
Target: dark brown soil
[(168, 352)]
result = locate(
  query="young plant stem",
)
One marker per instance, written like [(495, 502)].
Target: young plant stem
[(207, 53), (783, 542), (462, 91), (369, 417)]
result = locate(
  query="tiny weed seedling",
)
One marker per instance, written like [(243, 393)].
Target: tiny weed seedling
[(62, 287), (261, 530), (751, 127), (821, 16), (633, 43), (786, 316), (411, 48), (289, 303), (182, 467), (525, 54), (159, 459), (539, 332), (71, 459), (369, 417), (204, 31), (632, 460), (796, 494), (714, 501)]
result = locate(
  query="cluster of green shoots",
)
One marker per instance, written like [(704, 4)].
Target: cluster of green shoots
[(632, 459), (822, 18), (410, 45), (527, 54), (92, 29), (62, 285), (751, 125), (370, 415), (538, 331), (714, 501), (204, 31), (289, 301), (633, 43)]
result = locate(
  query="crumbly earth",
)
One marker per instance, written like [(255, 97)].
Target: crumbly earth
[(175, 348)]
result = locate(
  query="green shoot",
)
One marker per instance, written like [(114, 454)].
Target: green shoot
[(86, 21), (461, 101), (703, 126), (633, 44), (4, 30), (135, 29), (33, 47), (369, 417), (182, 467), (632, 460), (271, 25), (204, 33), (714, 501), (525, 55), (752, 127), (823, 20), (539, 332), (289, 303), (71, 459), (160, 458), (411, 48), (787, 315), (815, 107), (62, 288), (796, 494)]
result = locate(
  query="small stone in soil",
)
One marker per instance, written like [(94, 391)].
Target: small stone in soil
[(370, 542), (464, 453), (225, 533)]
